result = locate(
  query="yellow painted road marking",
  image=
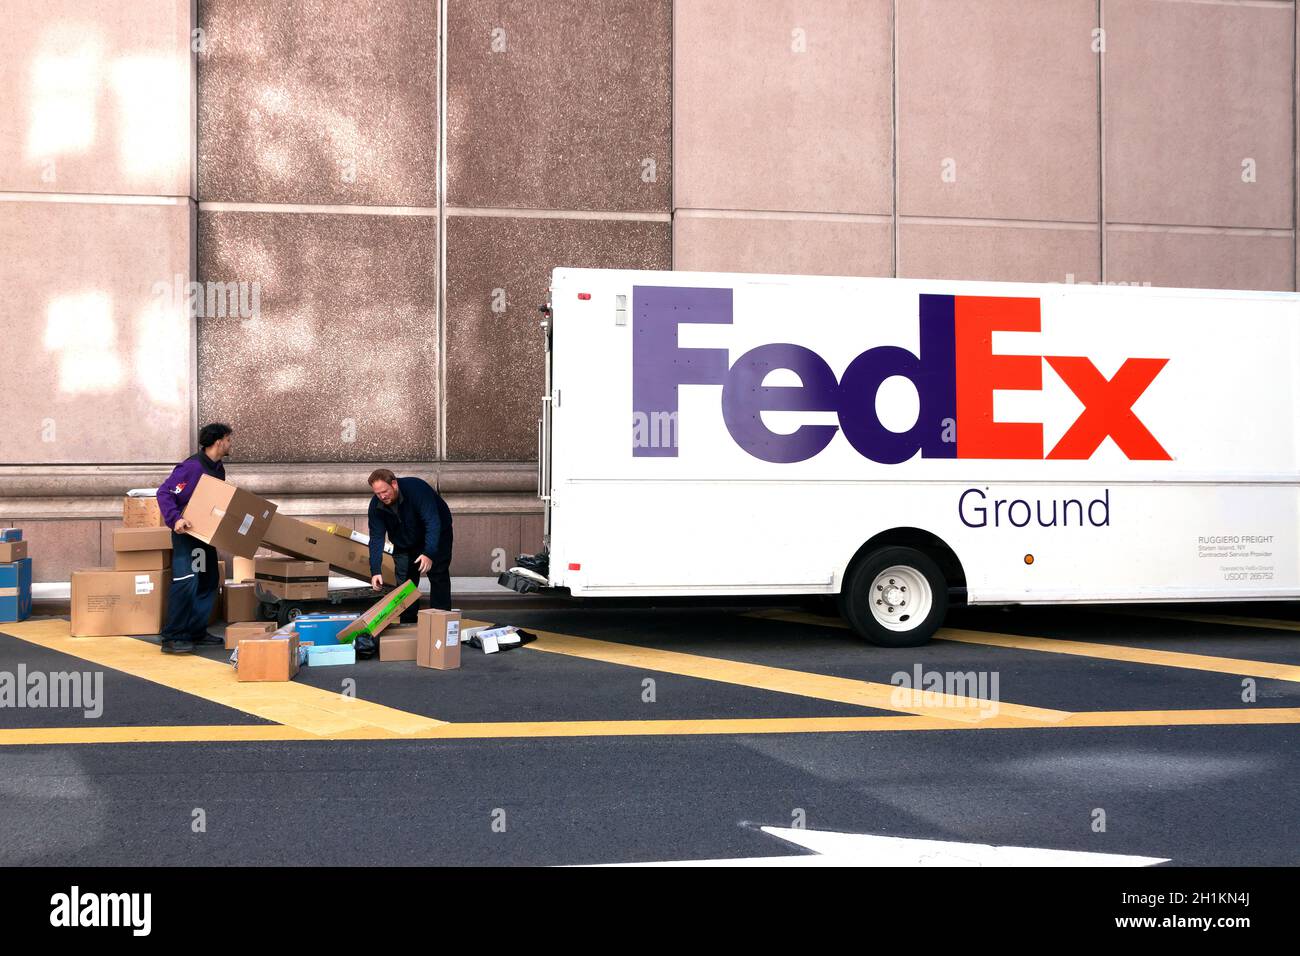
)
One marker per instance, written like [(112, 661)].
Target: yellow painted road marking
[(1271, 624), (300, 706), (645, 728), (1111, 652), (782, 680), (1132, 655)]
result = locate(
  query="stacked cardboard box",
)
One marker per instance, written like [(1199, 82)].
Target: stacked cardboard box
[(15, 577), (240, 602), (302, 540), (142, 549), (293, 580), (246, 630), (141, 512)]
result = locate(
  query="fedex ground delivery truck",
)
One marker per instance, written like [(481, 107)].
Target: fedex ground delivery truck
[(904, 444)]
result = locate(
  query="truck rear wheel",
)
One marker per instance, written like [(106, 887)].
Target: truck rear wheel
[(895, 597)]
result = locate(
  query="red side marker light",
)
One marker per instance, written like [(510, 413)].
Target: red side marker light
[(574, 566), (584, 296)]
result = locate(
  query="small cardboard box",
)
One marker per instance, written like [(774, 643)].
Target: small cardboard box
[(438, 640), (293, 580), (398, 642), (245, 569), (268, 658), (240, 603), (11, 551), (142, 560), (108, 602), (246, 630), (382, 613), (330, 655), (16, 590), (142, 539), (227, 517), (141, 513), (302, 540), (142, 549)]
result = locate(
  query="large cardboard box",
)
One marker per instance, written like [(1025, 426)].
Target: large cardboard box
[(291, 579), (16, 590), (302, 540), (228, 518), (141, 513), (398, 642), (108, 602), (246, 630), (387, 610), (240, 603), (268, 659), (437, 642)]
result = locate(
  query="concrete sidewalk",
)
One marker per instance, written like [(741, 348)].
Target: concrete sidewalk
[(469, 592)]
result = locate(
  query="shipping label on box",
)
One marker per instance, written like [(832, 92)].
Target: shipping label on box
[(438, 639), (141, 513), (108, 603), (228, 518), (11, 551)]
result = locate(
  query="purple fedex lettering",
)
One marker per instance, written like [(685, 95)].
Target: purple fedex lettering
[(745, 398), (933, 372), (659, 366)]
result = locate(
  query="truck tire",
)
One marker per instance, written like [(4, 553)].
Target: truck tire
[(895, 597)]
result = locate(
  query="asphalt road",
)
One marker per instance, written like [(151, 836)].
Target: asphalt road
[(575, 788)]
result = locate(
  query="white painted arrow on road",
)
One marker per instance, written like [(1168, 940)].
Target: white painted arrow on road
[(864, 849)]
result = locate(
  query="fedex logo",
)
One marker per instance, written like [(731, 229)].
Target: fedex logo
[(955, 374)]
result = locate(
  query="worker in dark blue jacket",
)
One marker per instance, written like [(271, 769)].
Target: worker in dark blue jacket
[(409, 513)]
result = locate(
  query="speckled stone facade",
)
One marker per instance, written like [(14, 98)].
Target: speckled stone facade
[(559, 104), (495, 369), (318, 101), (342, 363)]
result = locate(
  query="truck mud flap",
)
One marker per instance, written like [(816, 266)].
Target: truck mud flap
[(524, 584)]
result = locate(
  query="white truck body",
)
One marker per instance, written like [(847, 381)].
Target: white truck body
[(1068, 443)]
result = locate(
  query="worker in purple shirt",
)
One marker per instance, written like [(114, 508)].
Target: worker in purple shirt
[(195, 575)]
